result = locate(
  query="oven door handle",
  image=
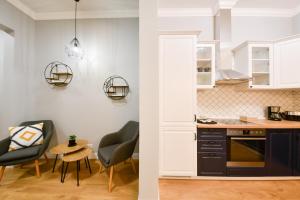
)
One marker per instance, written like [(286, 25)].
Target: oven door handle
[(248, 138)]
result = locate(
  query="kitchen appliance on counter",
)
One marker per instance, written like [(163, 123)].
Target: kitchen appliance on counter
[(274, 113), (291, 115), (246, 152)]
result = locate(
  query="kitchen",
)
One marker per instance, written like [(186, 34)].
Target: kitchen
[(229, 106)]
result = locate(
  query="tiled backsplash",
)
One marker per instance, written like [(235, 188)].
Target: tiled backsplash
[(297, 101), (232, 102)]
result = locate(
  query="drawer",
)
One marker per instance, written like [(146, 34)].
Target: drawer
[(211, 146), (211, 164), (211, 134)]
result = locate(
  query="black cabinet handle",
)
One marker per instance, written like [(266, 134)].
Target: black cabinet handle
[(195, 136), (195, 118)]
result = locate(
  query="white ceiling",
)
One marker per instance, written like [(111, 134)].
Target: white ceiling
[(40, 6), (64, 9), (275, 4), (186, 3)]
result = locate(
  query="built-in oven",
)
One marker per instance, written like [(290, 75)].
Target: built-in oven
[(245, 149)]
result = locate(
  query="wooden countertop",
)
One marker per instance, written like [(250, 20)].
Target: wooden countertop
[(258, 123)]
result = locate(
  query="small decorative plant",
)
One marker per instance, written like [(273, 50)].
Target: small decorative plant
[(72, 141)]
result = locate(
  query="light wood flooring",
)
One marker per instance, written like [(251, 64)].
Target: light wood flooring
[(23, 184), (229, 190)]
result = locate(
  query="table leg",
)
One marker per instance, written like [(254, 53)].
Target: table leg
[(78, 163), (62, 172), (54, 163), (88, 162), (65, 172), (86, 165)]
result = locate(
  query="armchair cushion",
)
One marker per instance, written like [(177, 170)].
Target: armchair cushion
[(105, 153), (20, 154), (25, 136)]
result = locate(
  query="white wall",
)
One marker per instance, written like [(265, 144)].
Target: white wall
[(148, 174), (204, 24), (14, 96), (243, 28), (296, 24), (260, 28), (82, 108)]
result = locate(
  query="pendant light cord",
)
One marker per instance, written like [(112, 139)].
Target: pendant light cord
[(76, 19)]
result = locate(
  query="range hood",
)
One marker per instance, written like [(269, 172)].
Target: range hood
[(225, 72)]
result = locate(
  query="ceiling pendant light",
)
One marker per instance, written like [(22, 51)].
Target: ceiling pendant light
[(74, 50)]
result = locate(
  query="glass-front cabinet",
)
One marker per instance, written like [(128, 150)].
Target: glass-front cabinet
[(256, 59), (261, 65), (205, 65)]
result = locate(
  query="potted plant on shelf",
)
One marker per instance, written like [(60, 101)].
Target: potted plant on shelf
[(72, 141)]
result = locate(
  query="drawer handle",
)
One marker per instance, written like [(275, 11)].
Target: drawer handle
[(212, 157), (210, 148)]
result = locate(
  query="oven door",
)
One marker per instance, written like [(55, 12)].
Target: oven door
[(246, 151)]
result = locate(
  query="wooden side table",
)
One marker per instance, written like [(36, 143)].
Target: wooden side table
[(76, 157), (64, 149)]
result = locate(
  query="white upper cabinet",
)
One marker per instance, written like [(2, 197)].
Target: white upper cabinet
[(177, 80), (256, 60), (271, 65), (206, 65), (287, 63)]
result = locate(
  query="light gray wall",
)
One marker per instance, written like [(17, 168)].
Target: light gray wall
[(204, 24), (260, 28), (296, 24), (111, 47), (243, 28), (14, 96)]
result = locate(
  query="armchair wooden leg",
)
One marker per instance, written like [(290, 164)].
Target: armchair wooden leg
[(100, 169), (37, 168), (46, 158), (110, 178), (2, 172), (133, 166)]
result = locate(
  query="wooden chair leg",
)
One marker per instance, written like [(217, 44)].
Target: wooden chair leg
[(46, 158), (133, 166), (2, 172), (100, 169), (110, 178), (37, 168)]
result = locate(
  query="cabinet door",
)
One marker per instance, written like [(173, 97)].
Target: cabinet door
[(177, 80), (279, 152), (206, 66), (178, 150), (261, 65), (296, 157), (287, 61)]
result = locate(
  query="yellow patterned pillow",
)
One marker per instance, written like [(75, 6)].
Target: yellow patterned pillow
[(25, 136)]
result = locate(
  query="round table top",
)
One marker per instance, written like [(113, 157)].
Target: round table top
[(64, 149), (77, 155)]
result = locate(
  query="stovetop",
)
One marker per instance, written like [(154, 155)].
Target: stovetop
[(224, 121), (232, 121)]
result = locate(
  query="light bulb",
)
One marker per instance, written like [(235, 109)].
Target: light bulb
[(74, 50)]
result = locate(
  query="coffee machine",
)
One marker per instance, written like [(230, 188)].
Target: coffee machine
[(274, 113)]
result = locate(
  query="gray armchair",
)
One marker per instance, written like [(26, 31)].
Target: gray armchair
[(27, 154), (118, 147)]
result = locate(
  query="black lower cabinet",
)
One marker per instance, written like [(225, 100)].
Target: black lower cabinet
[(279, 152), (296, 156), (211, 164), (211, 152)]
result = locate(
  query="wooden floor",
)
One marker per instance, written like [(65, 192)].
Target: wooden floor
[(229, 190), (22, 184)]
